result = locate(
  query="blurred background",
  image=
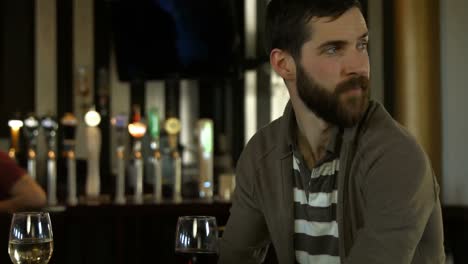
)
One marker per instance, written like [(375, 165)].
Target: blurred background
[(204, 59)]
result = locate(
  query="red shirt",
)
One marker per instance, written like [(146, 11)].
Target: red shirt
[(10, 172)]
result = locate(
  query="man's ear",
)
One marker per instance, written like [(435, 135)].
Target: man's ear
[(283, 64)]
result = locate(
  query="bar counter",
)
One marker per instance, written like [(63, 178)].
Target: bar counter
[(120, 234), (117, 234)]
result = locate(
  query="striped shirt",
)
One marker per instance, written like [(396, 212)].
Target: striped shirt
[(315, 198)]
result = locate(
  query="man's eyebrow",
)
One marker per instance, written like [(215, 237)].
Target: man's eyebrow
[(337, 43), (365, 35), (340, 43)]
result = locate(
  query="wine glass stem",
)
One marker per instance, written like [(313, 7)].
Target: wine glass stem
[(193, 260)]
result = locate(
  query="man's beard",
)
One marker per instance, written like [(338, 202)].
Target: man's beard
[(334, 107)]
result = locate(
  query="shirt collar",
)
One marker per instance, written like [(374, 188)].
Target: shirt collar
[(333, 146)]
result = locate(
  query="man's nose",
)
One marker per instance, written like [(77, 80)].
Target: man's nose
[(356, 63)]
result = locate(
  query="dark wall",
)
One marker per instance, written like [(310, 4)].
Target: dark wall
[(111, 234), (389, 52), (64, 56), (102, 46), (16, 59)]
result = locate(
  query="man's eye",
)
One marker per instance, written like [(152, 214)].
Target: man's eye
[(362, 46), (331, 50)]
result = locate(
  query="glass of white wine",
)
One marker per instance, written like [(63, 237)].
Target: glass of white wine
[(31, 239)]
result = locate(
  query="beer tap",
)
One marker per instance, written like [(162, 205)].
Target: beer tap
[(31, 131), (172, 127), (69, 123), (50, 126), (205, 147), (120, 124), (155, 159), (137, 130), (15, 125), (93, 144)]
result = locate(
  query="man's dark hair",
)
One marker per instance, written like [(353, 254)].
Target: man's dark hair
[(286, 21)]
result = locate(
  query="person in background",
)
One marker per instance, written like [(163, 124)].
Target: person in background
[(335, 179), (18, 191)]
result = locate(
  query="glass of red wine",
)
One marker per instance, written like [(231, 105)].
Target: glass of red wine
[(197, 239)]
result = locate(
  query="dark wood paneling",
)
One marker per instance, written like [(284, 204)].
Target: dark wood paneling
[(112, 234), (16, 59), (102, 48), (456, 232), (65, 92), (389, 54), (64, 57)]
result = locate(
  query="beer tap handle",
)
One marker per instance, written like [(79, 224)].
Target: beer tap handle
[(69, 123), (137, 130), (93, 140), (120, 123), (50, 126), (172, 127), (31, 131)]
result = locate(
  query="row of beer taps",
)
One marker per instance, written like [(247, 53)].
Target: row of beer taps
[(137, 129)]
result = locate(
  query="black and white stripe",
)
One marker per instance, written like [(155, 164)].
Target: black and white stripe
[(315, 198)]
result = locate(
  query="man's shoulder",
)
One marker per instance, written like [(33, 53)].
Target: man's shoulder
[(381, 133), (265, 140), (386, 151)]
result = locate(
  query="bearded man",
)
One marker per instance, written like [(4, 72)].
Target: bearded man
[(335, 179)]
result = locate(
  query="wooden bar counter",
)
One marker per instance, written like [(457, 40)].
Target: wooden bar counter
[(117, 234)]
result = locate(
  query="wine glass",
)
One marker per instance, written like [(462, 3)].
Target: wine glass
[(31, 239), (197, 238)]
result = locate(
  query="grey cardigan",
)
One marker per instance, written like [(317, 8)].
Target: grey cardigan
[(388, 208)]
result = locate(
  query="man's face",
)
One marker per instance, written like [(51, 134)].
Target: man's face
[(332, 74)]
